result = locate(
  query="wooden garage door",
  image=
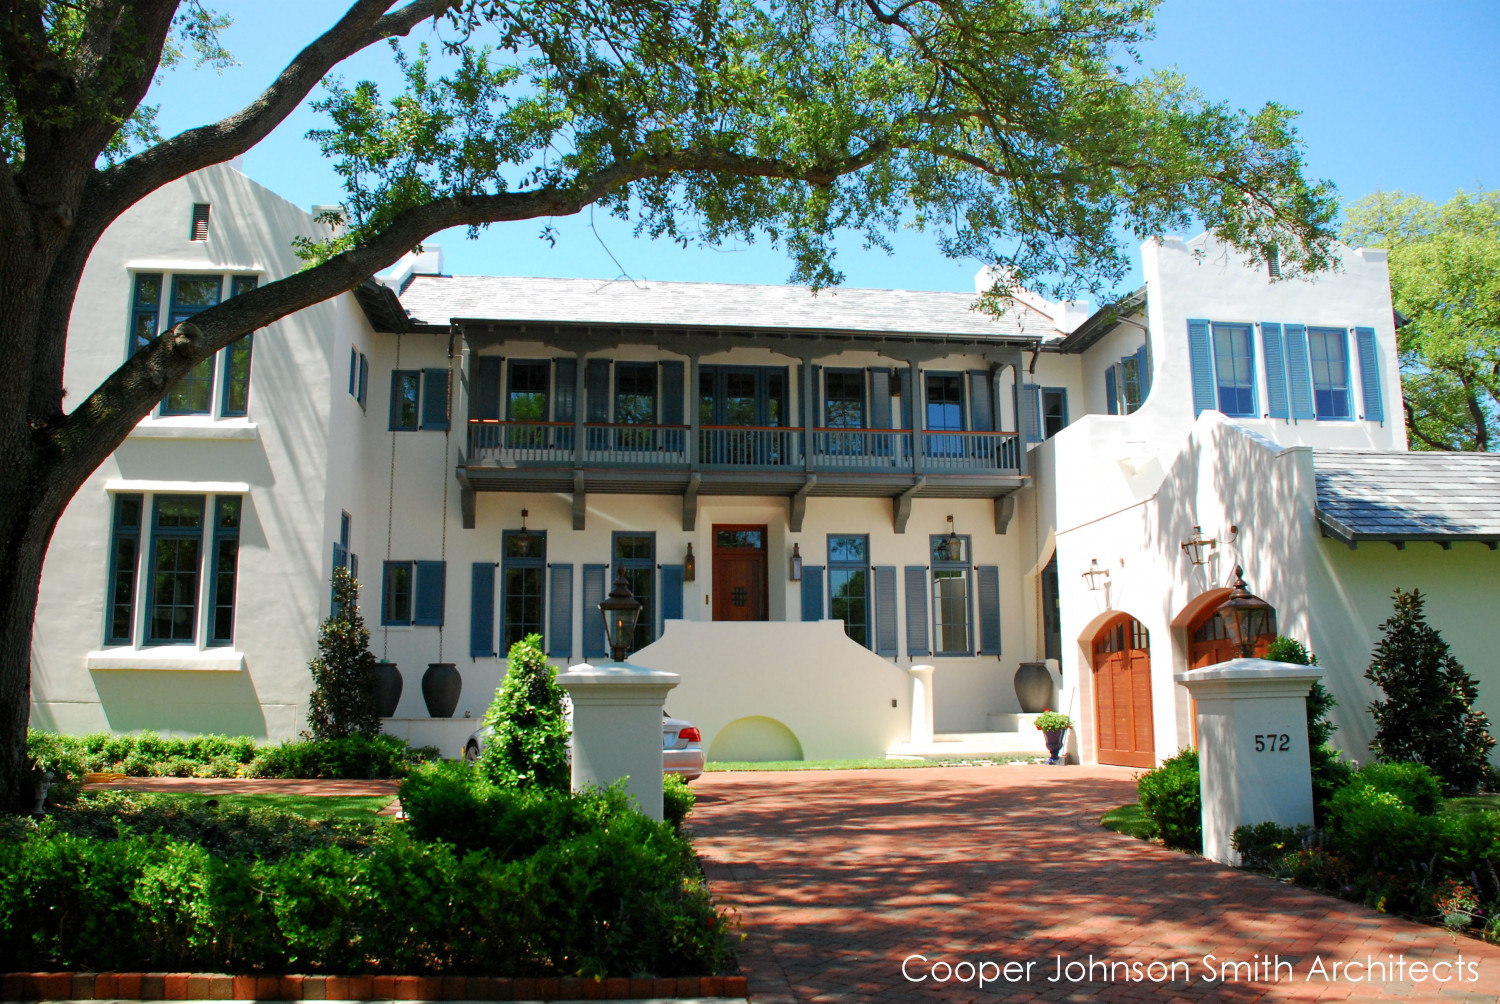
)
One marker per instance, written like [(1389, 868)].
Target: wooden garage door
[(1122, 694)]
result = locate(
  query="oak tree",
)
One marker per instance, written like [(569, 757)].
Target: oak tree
[(1019, 132)]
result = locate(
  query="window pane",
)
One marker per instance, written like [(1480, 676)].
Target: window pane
[(944, 401), (521, 600), (639, 547), (844, 401), (1234, 369), (635, 397), (193, 393), (527, 401), (1330, 368), (1054, 411), (398, 592), (145, 311), (739, 538), (849, 602), (229, 513), (640, 580), (182, 512), (174, 607), (407, 388), (950, 605), (849, 549), (237, 378), (193, 293), (739, 399), (222, 632)]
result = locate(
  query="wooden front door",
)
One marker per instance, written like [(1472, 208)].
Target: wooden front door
[(1122, 694), (740, 579)]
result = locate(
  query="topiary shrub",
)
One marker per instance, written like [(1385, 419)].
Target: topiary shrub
[(528, 743), (343, 698), (1171, 799), (1427, 715), (1330, 772)]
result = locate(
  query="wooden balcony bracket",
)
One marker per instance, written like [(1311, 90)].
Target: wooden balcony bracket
[(799, 504), (690, 502), (901, 505), (580, 501)]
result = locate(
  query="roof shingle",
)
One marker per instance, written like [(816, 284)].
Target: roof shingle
[(1367, 495)]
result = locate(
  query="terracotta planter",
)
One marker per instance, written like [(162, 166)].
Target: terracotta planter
[(387, 688), (1034, 687), (441, 685), (1054, 738)]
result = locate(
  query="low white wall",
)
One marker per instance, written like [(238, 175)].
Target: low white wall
[(834, 695)]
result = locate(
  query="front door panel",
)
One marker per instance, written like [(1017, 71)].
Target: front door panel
[(740, 581)]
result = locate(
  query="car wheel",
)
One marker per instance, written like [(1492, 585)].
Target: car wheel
[(471, 751)]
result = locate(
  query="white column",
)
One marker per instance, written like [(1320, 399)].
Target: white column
[(617, 713), (921, 703), (1252, 747)]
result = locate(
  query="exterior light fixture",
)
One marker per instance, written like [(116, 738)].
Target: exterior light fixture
[(524, 538), (953, 547), (796, 563), (620, 610), (1094, 573), (1199, 548), (1242, 614), (689, 566)]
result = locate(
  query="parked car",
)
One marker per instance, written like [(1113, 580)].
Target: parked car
[(681, 747)]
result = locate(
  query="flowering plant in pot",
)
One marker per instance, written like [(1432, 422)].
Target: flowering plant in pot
[(1054, 726)]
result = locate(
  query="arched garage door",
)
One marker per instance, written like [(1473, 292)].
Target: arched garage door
[(1122, 694)]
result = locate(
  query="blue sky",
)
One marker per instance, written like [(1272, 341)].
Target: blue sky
[(1393, 95)]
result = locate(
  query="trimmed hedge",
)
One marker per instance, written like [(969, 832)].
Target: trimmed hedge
[(1170, 798), (528, 885), (149, 755)]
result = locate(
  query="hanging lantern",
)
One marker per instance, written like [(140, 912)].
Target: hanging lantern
[(621, 610), (953, 547), (1241, 614), (523, 540)]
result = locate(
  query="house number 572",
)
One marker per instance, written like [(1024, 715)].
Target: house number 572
[(1273, 742)]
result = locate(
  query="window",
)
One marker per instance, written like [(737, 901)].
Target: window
[(1054, 411), (124, 559), (523, 567), (225, 564), (196, 392), (1234, 369), (945, 407), (635, 555), (635, 404), (199, 231), (176, 560), (406, 396), (412, 593), (849, 585), (844, 399), (1329, 351), (951, 575), (359, 375), (526, 397), (1127, 383), (342, 556)]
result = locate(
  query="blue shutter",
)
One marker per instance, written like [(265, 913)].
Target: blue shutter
[(1031, 401), (916, 610), (903, 382), (353, 370), (880, 398), (564, 389), (1369, 373), (885, 610), (364, 378), (1111, 397), (989, 608), (1273, 351), (434, 399), (596, 387), (482, 610), (981, 412), (817, 397), (396, 399), (671, 593), (427, 605), (560, 613), (1201, 359), (487, 387), (812, 592), (672, 380), (593, 623), (1143, 370), (1299, 373)]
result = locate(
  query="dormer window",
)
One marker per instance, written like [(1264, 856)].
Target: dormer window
[(200, 222)]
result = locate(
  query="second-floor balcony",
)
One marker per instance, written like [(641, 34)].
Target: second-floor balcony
[(675, 448)]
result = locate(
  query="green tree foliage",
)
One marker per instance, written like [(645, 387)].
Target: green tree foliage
[(1018, 132), (1427, 715), (1445, 277), (527, 745), (343, 698), (1329, 771)]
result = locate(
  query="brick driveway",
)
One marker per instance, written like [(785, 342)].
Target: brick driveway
[(840, 875)]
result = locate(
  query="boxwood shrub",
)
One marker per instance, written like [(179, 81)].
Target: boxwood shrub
[(1170, 798)]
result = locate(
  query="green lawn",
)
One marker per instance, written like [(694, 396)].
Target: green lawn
[(871, 763), (354, 808), (1127, 819), (1473, 803)]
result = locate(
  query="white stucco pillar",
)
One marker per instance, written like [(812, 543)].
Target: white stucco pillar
[(617, 712), (921, 703), (1252, 747)]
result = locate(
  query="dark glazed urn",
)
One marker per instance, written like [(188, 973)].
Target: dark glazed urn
[(1054, 738), (1034, 687), (387, 688), (441, 685)]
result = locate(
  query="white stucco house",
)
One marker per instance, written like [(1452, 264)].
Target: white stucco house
[(810, 493)]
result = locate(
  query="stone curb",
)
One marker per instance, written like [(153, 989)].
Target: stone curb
[(221, 987)]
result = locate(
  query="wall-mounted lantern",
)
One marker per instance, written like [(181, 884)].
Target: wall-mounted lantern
[(1094, 574), (689, 566), (1199, 548), (1241, 614), (620, 611), (796, 563)]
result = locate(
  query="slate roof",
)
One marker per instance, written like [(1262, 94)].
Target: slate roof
[(1398, 497), (438, 299)]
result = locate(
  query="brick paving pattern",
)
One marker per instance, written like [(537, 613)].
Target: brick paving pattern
[(839, 875)]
